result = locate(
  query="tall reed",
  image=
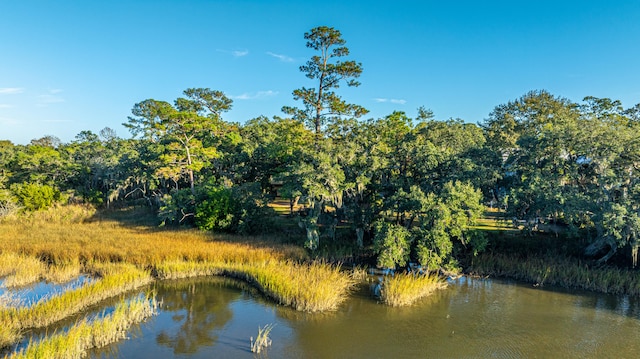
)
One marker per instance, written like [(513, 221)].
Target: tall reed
[(86, 335), (308, 287), (20, 269), (119, 279), (9, 335), (262, 339), (559, 271), (406, 288)]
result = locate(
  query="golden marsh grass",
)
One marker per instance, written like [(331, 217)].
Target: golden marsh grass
[(124, 258), (87, 335), (120, 279), (20, 270), (406, 288), (312, 287)]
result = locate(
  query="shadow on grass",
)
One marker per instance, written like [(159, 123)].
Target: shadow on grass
[(132, 216)]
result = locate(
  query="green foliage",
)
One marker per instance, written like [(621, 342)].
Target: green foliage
[(8, 205), (252, 214), (7, 153), (321, 104), (241, 209), (543, 159), (35, 196), (445, 225), (41, 163), (94, 197), (216, 211), (571, 164), (434, 247), (271, 150), (181, 133), (391, 244), (464, 203), (178, 207)]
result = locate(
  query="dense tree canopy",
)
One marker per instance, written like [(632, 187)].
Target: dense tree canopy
[(406, 189)]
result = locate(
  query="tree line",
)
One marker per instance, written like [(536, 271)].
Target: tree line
[(410, 188)]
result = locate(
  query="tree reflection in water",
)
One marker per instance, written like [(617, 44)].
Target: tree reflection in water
[(201, 308)]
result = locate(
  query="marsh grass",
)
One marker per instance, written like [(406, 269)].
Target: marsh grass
[(406, 288), (56, 214), (310, 287), (116, 279), (125, 256), (262, 339), (558, 271), (8, 336), (359, 274), (86, 335), (110, 241), (20, 270)]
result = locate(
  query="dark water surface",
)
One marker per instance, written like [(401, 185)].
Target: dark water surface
[(473, 318)]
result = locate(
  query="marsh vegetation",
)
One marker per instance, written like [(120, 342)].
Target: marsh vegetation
[(282, 203), (123, 258)]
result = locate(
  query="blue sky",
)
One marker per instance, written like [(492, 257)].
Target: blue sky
[(69, 66)]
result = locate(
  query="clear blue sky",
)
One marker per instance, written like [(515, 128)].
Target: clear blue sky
[(69, 66)]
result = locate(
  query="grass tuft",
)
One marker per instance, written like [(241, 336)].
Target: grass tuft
[(406, 288), (262, 340), (311, 287)]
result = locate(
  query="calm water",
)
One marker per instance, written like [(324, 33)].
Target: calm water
[(32, 293), (473, 318)]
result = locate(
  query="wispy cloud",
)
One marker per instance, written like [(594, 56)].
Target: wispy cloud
[(10, 90), (255, 95), (283, 58), (235, 53), (391, 100), (57, 121), (8, 121), (52, 96), (5, 105)]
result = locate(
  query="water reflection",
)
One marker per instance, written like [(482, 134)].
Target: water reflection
[(198, 307), (473, 318), (26, 296)]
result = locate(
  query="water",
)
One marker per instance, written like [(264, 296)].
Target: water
[(473, 318), (32, 293)]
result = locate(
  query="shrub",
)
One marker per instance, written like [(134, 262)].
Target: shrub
[(35, 196), (94, 197), (434, 247), (216, 211), (240, 209)]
